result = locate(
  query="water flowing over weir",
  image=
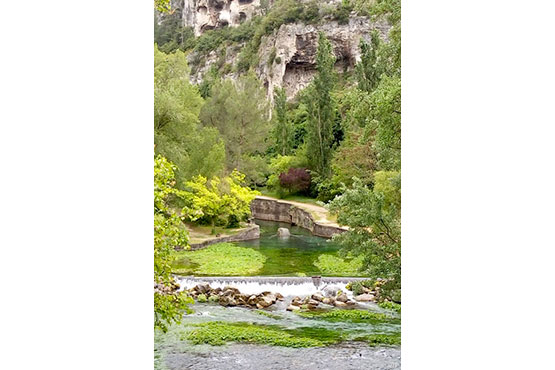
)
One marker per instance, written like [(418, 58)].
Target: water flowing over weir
[(287, 286)]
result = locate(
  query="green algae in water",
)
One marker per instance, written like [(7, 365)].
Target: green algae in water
[(218, 333), (302, 254), (355, 316), (267, 314)]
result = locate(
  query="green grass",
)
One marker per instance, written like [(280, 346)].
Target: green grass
[(355, 316), (219, 259), (292, 197), (333, 265), (217, 333)]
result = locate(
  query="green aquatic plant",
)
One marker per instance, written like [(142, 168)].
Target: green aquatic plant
[(219, 259), (348, 316), (332, 265), (217, 333), (382, 339), (390, 306), (267, 314)]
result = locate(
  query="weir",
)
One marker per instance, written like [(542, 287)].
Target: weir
[(287, 286)]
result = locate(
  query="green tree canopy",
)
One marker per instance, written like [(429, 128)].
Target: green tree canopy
[(177, 134), (321, 111), (240, 112)]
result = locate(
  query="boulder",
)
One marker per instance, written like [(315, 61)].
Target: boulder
[(202, 288), (342, 297), (293, 308), (328, 300), (365, 297), (232, 289), (252, 300), (279, 297), (227, 301), (265, 301), (317, 297), (283, 232), (339, 304), (350, 303)]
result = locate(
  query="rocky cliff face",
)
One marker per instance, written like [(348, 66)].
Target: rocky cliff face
[(203, 15), (287, 57), (295, 47)]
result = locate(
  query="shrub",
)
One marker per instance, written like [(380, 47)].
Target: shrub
[(295, 180), (201, 298)]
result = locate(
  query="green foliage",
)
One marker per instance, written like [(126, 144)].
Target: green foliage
[(168, 234), (217, 199), (169, 33), (219, 259), (342, 12), (283, 130), (162, 5), (385, 115), (337, 266), (279, 165), (201, 298), (321, 113), (375, 229), (369, 69), (241, 115), (177, 135), (356, 316), (357, 287), (218, 333)]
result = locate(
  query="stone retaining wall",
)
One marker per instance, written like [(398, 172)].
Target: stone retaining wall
[(250, 233), (274, 210)]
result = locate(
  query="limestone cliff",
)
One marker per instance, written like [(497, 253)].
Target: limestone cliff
[(286, 57), (203, 15)]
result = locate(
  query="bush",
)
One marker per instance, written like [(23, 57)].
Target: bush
[(201, 298), (295, 180)]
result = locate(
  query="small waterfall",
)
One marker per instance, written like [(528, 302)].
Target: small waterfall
[(287, 286)]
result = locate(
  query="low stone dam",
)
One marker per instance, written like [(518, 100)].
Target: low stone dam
[(287, 286)]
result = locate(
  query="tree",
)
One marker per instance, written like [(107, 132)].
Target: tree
[(283, 130), (321, 112), (241, 114), (369, 69), (225, 200), (177, 134), (169, 233), (374, 220), (385, 115), (295, 180)]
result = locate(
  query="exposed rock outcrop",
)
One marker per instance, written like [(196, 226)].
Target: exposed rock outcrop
[(204, 15), (294, 46)]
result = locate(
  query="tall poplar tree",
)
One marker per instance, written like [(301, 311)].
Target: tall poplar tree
[(283, 129), (320, 106)]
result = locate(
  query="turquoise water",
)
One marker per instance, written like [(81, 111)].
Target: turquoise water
[(291, 256)]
